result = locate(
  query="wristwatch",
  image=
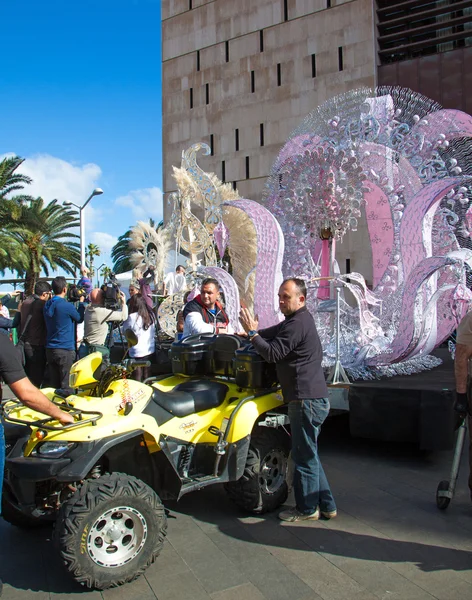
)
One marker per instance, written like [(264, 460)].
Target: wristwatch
[(252, 333)]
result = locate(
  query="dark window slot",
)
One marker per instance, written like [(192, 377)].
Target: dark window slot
[(261, 134), (340, 58), (328, 3), (236, 139), (313, 65), (227, 51), (223, 171), (247, 167), (191, 97), (234, 185), (285, 10), (212, 145), (207, 93), (261, 40), (190, 4), (198, 60), (253, 82), (279, 74)]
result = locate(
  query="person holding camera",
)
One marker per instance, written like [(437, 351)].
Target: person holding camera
[(96, 320), (60, 317), (84, 282)]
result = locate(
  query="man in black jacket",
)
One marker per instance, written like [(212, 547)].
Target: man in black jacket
[(295, 347)]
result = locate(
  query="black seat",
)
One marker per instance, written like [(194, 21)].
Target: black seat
[(191, 397)]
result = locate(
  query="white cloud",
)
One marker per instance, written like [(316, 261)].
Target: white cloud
[(56, 178), (144, 203), (105, 242)]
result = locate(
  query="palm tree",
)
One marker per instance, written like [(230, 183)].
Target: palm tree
[(11, 252), (120, 253), (9, 180), (91, 252), (43, 233)]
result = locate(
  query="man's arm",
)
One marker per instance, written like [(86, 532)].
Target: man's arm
[(195, 323), (76, 314), (278, 348), (461, 361), (25, 391)]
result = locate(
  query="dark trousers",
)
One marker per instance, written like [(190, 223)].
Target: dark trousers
[(59, 363), (35, 363)]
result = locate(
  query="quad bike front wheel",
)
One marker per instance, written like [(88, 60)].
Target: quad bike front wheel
[(110, 530), (263, 485)]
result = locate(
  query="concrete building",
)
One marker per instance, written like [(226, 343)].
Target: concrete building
[(242, 74)]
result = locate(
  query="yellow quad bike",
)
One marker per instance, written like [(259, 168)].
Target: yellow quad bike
[(218, 418)]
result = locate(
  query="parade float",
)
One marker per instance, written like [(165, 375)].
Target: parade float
[(389, 157)]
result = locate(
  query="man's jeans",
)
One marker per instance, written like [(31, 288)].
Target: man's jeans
[(309, 480), (2, 461)]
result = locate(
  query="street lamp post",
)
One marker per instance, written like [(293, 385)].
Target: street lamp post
[(98, 273), (96, 192)]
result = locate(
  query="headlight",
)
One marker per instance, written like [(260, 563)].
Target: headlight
[(53, 449), (73, 379)]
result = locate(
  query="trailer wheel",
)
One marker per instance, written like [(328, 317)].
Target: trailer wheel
[(263, 485), (442, 502), (110, 530)]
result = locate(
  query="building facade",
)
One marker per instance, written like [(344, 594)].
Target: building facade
[(240, 75)]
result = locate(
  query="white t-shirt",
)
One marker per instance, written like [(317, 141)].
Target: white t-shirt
[(175, 283), (194, 324), (146, 337)]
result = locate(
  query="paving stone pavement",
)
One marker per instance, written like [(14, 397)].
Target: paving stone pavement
[(389, 542)]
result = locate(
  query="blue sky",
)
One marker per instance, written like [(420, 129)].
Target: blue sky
[(81, 102)]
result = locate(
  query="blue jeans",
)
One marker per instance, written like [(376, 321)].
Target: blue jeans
[(2, 461), (309, 480)]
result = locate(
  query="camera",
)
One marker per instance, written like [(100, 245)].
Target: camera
[(112, 293), (74, 293)]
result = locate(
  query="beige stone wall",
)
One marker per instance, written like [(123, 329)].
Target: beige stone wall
[(310, 29)]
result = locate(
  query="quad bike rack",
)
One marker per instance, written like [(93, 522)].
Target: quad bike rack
[(44, 425)]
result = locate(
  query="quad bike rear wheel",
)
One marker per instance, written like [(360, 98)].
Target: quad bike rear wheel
[(263, 485), (110, 530)]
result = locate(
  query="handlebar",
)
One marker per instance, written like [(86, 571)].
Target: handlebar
[(136, 364), (130, 364)]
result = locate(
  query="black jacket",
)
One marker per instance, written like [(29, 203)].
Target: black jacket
[(196, 305), (295, 347)]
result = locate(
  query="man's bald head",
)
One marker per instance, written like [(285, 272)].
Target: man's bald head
[(96, 296)]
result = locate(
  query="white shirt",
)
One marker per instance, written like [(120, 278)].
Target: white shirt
[(175, 283), (194, 324), (146, 338)]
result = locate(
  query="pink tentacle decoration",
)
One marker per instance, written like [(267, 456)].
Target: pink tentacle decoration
[(270, 250), (415, 229), (409, 330)]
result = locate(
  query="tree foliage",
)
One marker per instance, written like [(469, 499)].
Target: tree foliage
[(34, 236)]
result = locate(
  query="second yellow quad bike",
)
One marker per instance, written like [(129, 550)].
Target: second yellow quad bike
[(218, 418)]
